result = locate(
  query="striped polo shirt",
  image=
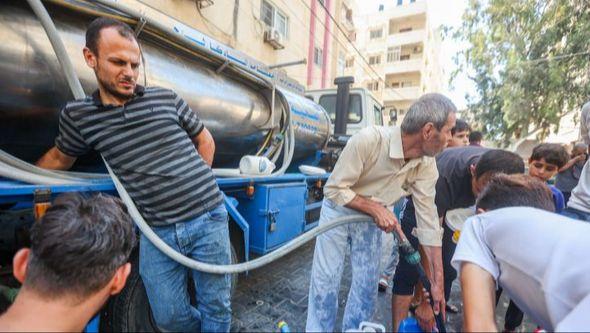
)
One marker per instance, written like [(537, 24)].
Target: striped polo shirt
[(147, 142)]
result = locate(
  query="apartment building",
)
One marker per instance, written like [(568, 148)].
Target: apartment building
[(274, 32), (403, 49)]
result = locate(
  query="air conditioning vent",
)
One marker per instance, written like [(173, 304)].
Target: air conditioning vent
[(274, 38)]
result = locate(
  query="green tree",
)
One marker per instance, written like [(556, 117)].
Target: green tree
[(529, 60)]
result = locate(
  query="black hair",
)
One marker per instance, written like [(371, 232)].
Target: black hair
[(499, 161), (475, 136), (552, 153), (78, 245), (460, 126), (98, 24), (514, 191)]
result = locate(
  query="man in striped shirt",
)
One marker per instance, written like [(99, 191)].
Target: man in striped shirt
[(162, 153)]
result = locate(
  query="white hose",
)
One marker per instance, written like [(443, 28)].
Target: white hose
[(11, 172), (68, 176), (227, 269)]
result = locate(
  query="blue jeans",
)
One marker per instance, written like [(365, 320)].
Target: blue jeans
[(205, 239), (576, 214), (364, 241)]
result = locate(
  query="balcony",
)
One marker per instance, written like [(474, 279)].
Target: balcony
[(402, 94), (347, 24), (410, 37), (403, 66)]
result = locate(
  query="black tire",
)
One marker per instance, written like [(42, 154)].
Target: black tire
[(130, 311)]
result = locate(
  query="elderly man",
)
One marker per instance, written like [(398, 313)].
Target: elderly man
[(377, 167)]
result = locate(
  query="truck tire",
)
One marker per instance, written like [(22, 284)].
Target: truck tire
[(129, 311)]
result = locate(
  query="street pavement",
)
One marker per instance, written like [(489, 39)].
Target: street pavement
[(279, 291)]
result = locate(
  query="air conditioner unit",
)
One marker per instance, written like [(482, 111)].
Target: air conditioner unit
[(274, 38)]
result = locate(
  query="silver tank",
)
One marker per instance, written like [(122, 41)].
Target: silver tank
[(33, 89)]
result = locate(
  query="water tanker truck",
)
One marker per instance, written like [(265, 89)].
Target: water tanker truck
[(249, 109)]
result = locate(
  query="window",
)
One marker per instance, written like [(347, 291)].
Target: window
[(400, 2), (405, 29), (373, 85), (349, 62), (375, 60), (381, 7), (378, 115), (328, 102), (393, 53), (404, 57), (274, 18), (376, 33), (395, 85), (317, 56)]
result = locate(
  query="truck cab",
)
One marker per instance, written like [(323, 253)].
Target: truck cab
[(363, 111)]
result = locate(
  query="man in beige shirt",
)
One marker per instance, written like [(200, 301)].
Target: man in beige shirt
[(377, 167)]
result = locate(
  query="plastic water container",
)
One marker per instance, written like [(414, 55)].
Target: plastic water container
[(409, 325), (256, 165)]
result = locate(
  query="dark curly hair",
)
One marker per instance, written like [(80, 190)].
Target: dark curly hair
[(78, 245)]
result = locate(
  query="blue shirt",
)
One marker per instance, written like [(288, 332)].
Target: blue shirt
[(558, 199)]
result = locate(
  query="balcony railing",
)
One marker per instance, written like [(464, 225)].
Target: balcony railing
[(401, 94), (403, 66), (403, 38)]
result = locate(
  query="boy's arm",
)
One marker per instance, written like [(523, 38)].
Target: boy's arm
[(572, 162), (477, 286)]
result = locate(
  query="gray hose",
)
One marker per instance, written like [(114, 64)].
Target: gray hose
[(58, 47), (75, 177), (227, 269), (11, 172)]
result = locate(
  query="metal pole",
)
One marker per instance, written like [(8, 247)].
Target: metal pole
[(287, 64)]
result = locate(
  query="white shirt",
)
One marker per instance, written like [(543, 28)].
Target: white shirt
[(580, 198), (541, 259)]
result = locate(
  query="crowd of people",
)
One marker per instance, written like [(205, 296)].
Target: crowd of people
[(472, 210)]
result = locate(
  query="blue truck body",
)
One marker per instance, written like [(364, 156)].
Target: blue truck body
[(269, 211)]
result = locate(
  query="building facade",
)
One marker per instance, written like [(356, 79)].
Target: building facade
[(402, 54), (274, 32)]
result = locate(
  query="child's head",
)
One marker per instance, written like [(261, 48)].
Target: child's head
[(546, 160), (460, 134), (515, 190)]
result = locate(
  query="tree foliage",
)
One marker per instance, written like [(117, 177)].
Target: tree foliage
[(529, 60)]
